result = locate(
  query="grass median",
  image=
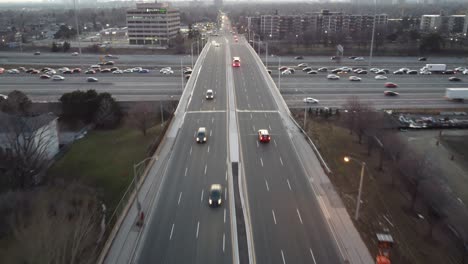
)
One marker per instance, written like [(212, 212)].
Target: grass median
[(104, 160)]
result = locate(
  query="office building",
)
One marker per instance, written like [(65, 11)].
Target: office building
[(431, 22), (456, 23), (152, 24), (269, 26)]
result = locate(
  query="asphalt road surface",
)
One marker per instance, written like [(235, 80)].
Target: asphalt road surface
[(183, 228), (287, 223)]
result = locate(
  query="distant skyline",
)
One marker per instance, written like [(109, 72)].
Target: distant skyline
[(322, 1)]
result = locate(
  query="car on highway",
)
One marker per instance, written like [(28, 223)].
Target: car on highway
[(302, 65), (465, 72), (67, 71), (398, 72), (449, 72), (380, 72), (322, 69), (2, 70), (46, 69), (459, 69), (216, 44), (390, 85), (333, 58), (3, 96), (105, 70), (58, 78), (307, 69), (335, 71), (209, 94), (37, 53), (374, 70), (310, 100), (29, 70), (117, 72), (128, 71), (299, 57), (215, 195), (359, 58), (412, 72), (22, 69), (168, 72), (286, 72), (352, 57), (362, 72), (354, 79), (145, 71), (201, 135), (13, 71), (454, 79), (162, 70), (110, 63), (75, 53), (114, 69), (282, 68), (312, 72), (90, 71), (380, 77), (333, 77), (404, 70), (34, 72), (76, 70), (390, 93), (44, 76), (425, 72), (422, 59), (92, 79), (263, 136), (188, 71), (109, 56)]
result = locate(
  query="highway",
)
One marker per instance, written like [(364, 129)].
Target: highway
[(183, 228), (287, 222)]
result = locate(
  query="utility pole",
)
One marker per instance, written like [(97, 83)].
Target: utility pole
[(77, 33), (279, 74), (373, 34)]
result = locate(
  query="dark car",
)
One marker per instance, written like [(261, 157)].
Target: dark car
[(449, 72), (323, 69), (352, 57), (335, 71), (334, 58), (109, 63), (30, 70), (390, 93), (67, 72), (114, 69), (422, 59), (454, 79), (391, 85), (215, 196), (37, 53), (92, 79), (105, 70), (299, 58), (362, 72), (45, 76), (76, 70), (90, 72), (412, 72)]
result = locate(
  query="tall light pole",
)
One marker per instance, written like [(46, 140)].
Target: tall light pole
[(266, 55), (363, 166), (191, 52), (77, 32), (373, 34), (279, 74), (181, 75)]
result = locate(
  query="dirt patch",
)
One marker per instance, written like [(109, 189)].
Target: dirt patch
[(385, 200)]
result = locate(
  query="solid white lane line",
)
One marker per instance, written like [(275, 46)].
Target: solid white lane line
[(205, 168), (274, 141), (180, 196), (172, 231), (299, 215), (185, 171), (208, 149), (266, 183), (211, 132), (261, 161), (198, 227), (225, 193), (289, 185), (190, 151), (312, 255), (274, 217), (224, 215), (201, 197), (225, 177), (281, 160), (282, 256), (251, 117), (224, 241)]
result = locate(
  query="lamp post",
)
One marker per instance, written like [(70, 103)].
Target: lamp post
[(373, 34), (363, 165), (191, 52), (279, 74), (77, 32)]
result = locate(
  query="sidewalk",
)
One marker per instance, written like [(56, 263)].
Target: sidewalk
[(351, 246)]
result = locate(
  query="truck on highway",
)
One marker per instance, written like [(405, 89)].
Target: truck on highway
[(456, 94), (435, 67)]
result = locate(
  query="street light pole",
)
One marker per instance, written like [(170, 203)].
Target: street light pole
[(77, 33), (266, 55), (373, 34), (279, 74), (181, 75), (356, 216)]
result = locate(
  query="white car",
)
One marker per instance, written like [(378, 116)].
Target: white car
[(380, 77), (63, 69), (374, 70), (13, 71), (359, 59), (333, 77), (301, 65), (3, 96), (117, 72), (58, 78), (128, 71), (75, 53), (168, 72), (137, 69), (310, 100), (286, 72), (216, 44), (425, 72), (165, 69), (465, 72), (460, 69), (354, 79)]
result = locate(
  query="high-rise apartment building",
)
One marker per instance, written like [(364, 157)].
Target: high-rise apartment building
[(430, 22), (446, 24), (152, 23), (269, 26), (456, 23)]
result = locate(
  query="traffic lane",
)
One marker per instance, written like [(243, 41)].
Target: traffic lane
[(265, 236), (250, 90), (199, 231), (123, 76), (122, 59), (180, 232), (281, 171), (302, 76), (119, 98)]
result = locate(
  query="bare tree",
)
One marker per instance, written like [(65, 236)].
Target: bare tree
[(28, 144), (58, 225), (16, 103), (142, 116), (108, 113), (359, 116)]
